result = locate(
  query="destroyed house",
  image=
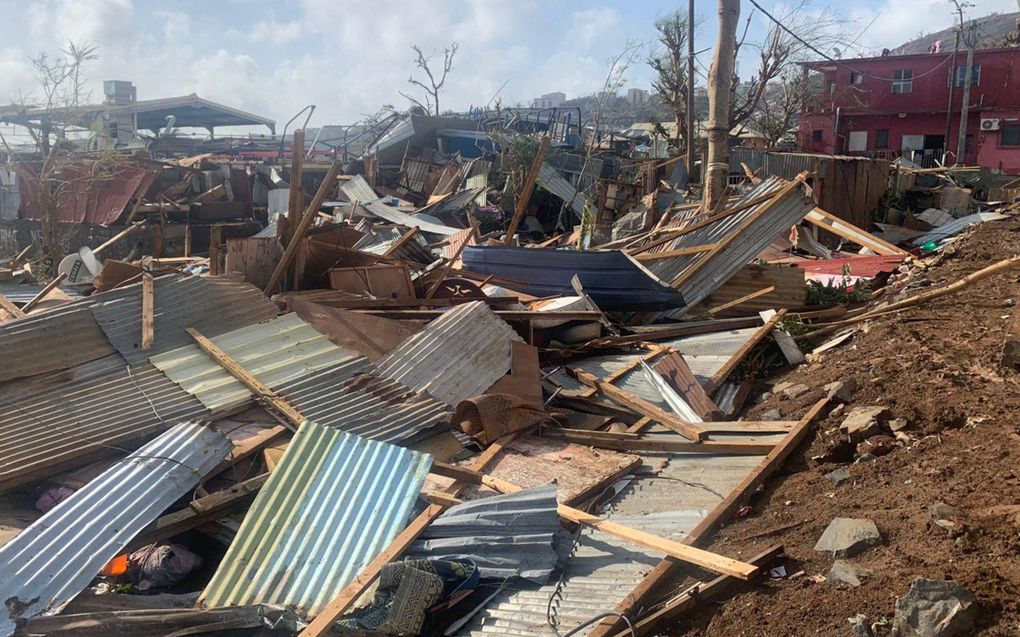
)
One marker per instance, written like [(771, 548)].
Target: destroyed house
[(904, 105)]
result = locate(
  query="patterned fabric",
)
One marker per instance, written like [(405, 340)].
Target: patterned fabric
[(488, 417), (407, 590)]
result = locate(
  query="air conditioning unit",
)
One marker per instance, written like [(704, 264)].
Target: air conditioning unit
[(990, 124)]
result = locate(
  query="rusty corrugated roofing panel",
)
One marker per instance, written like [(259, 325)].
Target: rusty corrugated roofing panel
[(331, 505), (457, 356), (92, 199), (52, 560), (85, 413)]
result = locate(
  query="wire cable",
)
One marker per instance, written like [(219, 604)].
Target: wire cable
[(840, 62)]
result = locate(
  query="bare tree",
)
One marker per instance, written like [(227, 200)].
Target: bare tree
[(56, 174), (780, 52), (779, 107), (435, 79), (670, 68)]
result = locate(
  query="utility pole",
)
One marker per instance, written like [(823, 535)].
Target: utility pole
[(720, 78), (952, 90), (692, 136), (969, 39)]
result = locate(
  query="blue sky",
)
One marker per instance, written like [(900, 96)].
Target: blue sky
[(348, 57)]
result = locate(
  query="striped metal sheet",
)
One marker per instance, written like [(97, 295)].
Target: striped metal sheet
[(457, 356), (350, 397), (212, 305), (357, 189), (333, 503), (378, 240), (52, 560), (69, 418), (57, 339), (602, 568), (506, 536), (550, 179), (277, 351), (782, 215)]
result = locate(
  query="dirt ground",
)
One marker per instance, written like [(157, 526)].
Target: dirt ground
[(936, 365)]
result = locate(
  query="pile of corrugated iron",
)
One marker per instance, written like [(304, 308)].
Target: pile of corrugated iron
[(372, 418)]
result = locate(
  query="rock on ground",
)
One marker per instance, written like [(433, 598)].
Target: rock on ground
[(935, 608), (846, 537)]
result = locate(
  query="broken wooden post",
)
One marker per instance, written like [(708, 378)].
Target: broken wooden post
[(27, 307), (148, 309), (526, 189)]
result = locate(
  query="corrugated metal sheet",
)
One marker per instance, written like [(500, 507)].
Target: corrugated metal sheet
[(550, 179), (506, 536), (278, 351), (957, 226), (349, 397), (49, 341), (334, 501), (785, 165), (212, 305), (457, 356), (705, 354), (675, 401), (92, 199), (378, 240), (58, 422), (56, 557), (603, 569), (614, 280), (782, 215), (357, 189)]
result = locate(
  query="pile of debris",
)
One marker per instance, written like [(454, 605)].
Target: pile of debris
[(393, 410)]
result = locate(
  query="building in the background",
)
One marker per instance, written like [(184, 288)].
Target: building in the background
[(909, 105), (637, 96), (549, 100)]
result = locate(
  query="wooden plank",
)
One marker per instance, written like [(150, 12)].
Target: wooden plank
[(247, 379), (148, 309), (295, 194), (384, 281), (401, 242), (731, 364), (638, 404), (785, 342), (200, 511), (656, 350), (215, 239), (529, 185), (506, 315), (842, 228), (678, 375), (667, 614), (7, 305), (692, 555), (656, 444), (732, 236), (744, 299), (679, 252), (657, 577), (57, 280), (311, 212), (449, 266), (323, 622)]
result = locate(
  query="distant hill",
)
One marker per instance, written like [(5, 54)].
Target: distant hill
[(995, 30)]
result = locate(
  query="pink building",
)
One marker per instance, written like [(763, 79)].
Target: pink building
[(890, 106)]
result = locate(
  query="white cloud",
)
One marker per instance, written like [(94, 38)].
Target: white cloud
[(275, 32), (593, 25)]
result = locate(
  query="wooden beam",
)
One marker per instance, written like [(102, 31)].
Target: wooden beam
[(679, 252), (842, 228), (10, 307), (731, 364), (506, 315), (657, 577), (638, 404), (744, 299), (678, 375), (667, 614), (205, 509), (295, 194), (57, 280), (323, 622), (526, 189), (656, 444), (247, 379), (692, 555), (656, 350), (215, 240), (401, 242), (311, 212), (732, 236), (446, 269), (148, 310)]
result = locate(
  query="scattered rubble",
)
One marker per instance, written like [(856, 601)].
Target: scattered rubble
[(935, 608), (847, 537)]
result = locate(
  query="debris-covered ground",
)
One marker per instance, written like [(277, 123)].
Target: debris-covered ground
[(937, 367)]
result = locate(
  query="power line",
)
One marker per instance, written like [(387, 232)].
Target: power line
[(840, 62)]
